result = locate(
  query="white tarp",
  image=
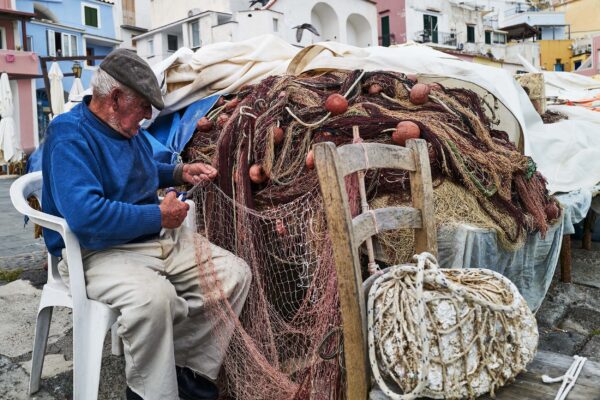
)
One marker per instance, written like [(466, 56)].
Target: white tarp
[(221, 68), (8, 136), (57, 93), (567, 152)]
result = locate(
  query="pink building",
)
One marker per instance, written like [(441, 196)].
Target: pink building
[(392, 21), (592, 66), (21, 66)]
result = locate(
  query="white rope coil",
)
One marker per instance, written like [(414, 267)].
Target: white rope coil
[(568, 379), (446, 333)]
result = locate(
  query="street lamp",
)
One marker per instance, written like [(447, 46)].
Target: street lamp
[(76, 68)]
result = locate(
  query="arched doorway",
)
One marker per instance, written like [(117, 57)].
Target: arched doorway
[(325, 20), (358, 31)]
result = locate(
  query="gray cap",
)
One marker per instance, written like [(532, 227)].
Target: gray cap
[(130, 70)]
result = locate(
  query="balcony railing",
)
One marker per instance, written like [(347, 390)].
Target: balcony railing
[(520, 8), (443, 38)]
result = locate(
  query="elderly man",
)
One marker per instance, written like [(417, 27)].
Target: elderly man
[(99, 174)]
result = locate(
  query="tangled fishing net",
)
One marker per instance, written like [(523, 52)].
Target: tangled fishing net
[(287, 343), (447, 333)]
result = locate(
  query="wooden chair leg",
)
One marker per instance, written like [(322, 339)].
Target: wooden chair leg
[(588, 225), (565, 259)]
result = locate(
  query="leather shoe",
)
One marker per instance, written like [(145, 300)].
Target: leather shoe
[(195, 387), (131, 395)]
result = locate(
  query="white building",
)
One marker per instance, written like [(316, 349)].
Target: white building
[(197, 23), (134, 17), (469, 29)]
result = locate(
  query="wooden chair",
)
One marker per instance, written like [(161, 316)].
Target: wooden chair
[(347, 234)]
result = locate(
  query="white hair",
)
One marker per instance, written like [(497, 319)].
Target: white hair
[(102, 84)]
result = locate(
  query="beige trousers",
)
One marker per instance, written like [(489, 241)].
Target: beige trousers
[(155, 287)]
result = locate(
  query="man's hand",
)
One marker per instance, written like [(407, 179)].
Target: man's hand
[(172, 211), (198, 172)]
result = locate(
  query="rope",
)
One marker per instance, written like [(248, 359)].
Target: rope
[(568, 379), (494, 307)]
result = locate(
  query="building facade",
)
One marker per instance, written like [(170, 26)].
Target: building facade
[(134, 18), (69, 28), (197, 23), (468, 29), (21, 65)]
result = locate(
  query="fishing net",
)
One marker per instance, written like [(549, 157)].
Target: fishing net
[(287, 342)]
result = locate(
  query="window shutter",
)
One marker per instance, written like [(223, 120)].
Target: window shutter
[(51, 43)]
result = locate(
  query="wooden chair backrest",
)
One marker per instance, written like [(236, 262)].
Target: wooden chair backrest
[(347, 234)]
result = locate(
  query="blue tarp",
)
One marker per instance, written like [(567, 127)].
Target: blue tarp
[(170, 133)]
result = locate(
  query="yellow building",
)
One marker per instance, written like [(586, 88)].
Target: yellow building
[(555, 55), (583, 16)]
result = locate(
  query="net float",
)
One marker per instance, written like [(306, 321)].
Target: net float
[(419, 94), (204, 124), (233, 103), (257, 174), (336, 104), (222, 120), (412, 77), (278, 135), (406, 130), (310, 160), (375, 88)]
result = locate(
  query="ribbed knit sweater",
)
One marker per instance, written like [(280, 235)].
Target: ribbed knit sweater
[(102, 183)]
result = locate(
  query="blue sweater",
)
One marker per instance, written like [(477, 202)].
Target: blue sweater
[(102, 183)]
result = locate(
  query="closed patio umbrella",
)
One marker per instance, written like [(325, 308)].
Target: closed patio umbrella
[(8, 134), (57, 93), (76, 90)]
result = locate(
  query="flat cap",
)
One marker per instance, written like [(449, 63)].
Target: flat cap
[(130, 70)]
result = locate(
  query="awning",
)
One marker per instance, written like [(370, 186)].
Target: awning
[(520, 31)]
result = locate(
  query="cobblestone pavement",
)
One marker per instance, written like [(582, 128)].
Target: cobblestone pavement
[(569, 318)]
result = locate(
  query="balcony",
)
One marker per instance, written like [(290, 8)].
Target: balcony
[(520, 8), (436, 37)]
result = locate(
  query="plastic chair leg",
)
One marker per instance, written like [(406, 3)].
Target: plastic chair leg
[(88, 341), (117, 343), (42, 327)]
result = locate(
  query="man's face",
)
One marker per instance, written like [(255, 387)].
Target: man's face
[(128, 111)]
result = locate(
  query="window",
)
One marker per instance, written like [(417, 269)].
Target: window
[(430, 28), (90, 52), (172, 42), (29, 43), (499, 38), (470, 33), (91, 15), (195, 34), (385, 31), (488, 37), (2, 38), (151, 48), (61, 44), (559, 66), (576, 64), (275, 25)]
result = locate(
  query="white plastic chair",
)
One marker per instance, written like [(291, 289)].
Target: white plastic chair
[(91, 319)]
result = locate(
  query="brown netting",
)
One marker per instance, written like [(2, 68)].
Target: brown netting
[(286, 344)]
